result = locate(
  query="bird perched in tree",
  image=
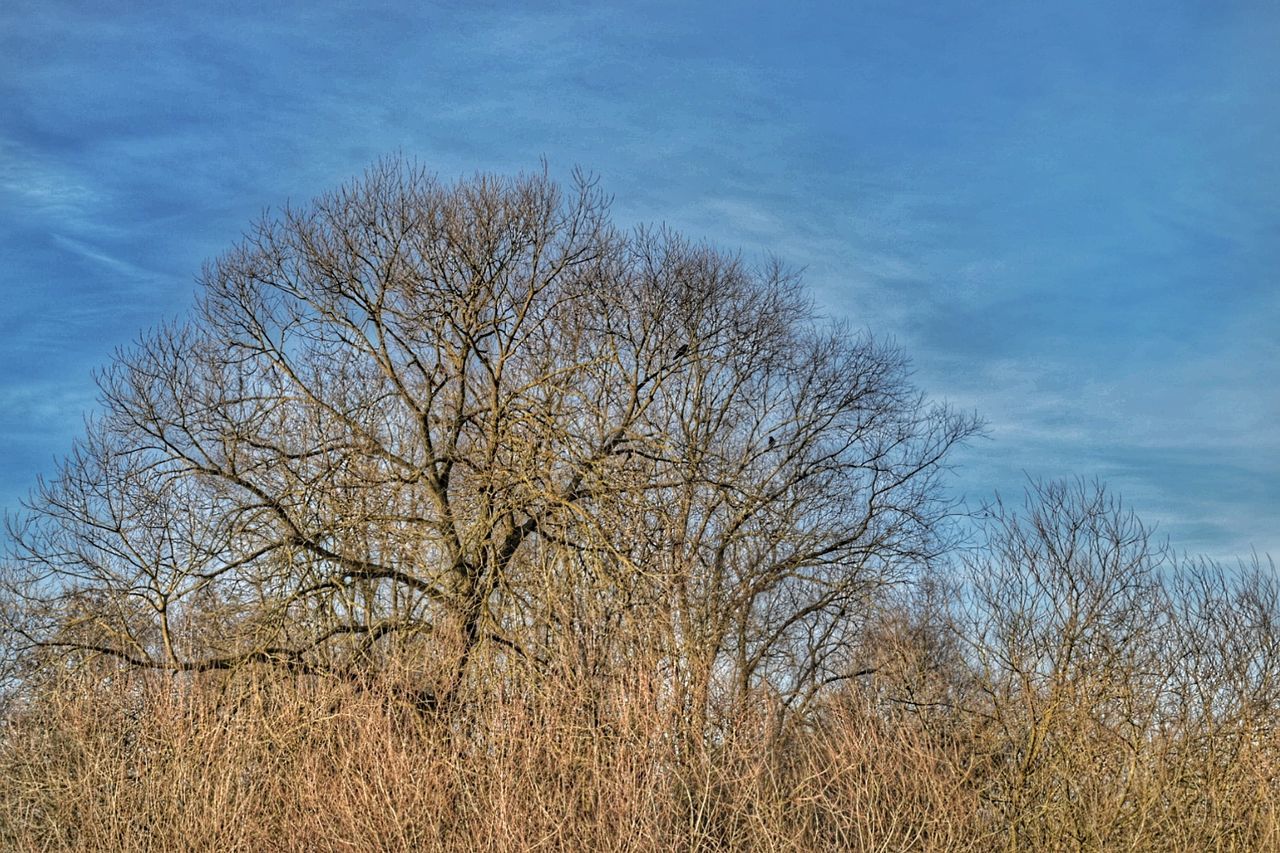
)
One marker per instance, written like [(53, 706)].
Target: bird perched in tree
[(684, 349)]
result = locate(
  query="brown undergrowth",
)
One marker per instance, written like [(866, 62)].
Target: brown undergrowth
[(249, 762)]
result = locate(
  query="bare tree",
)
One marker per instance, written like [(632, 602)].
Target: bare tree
[(444, 423), (1068, 628)]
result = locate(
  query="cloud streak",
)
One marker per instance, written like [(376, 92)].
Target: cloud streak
[(1069, 221)]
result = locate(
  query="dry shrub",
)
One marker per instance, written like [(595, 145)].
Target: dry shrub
[(148, 762), (253, 761), (1080, 692)]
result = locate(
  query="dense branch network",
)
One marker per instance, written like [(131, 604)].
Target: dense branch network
[(478, 422)]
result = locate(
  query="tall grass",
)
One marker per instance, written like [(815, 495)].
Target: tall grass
[(1068, 688), (251, 762)]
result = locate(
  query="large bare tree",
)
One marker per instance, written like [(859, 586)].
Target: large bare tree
[(477, 422)]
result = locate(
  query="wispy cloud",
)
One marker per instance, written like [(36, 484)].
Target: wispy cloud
[(41, 186), (1068, 220), (130, 274), (34, 409)]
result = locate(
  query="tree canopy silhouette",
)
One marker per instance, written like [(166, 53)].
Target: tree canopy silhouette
[(481, 426)]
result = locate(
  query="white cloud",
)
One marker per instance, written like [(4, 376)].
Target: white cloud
[(41, 186)]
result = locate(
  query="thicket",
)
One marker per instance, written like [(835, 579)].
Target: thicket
[(456, 518)]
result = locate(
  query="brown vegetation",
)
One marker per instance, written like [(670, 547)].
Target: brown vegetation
[(457, 519)]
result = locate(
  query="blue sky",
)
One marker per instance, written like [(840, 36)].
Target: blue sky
[(1067, 214)]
